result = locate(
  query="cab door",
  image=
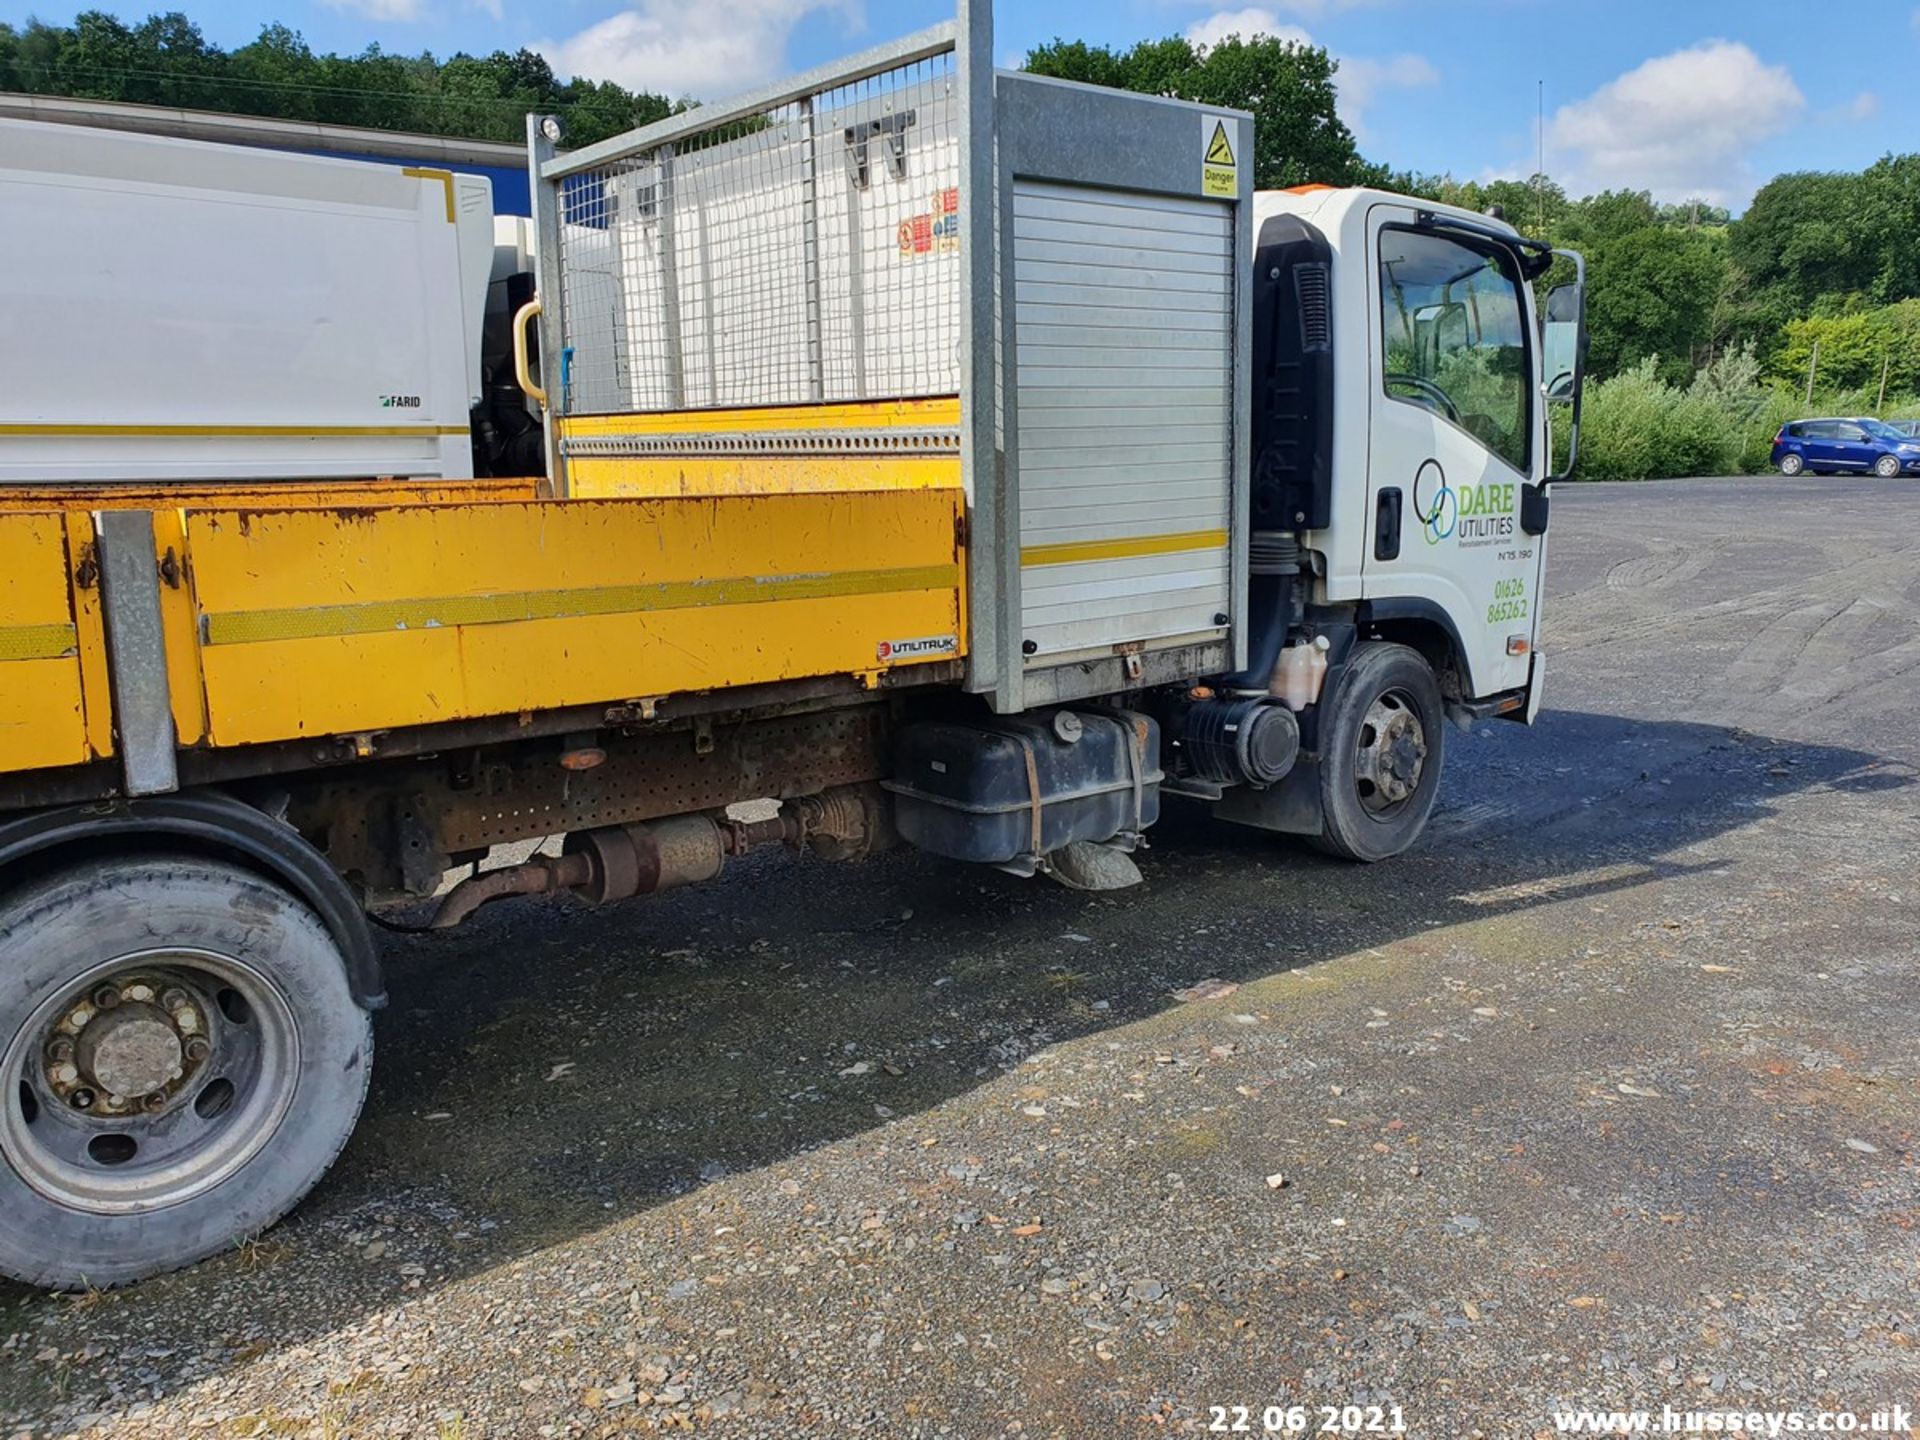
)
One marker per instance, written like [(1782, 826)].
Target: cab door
[(1455, 432)]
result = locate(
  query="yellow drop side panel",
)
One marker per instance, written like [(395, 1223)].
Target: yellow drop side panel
[(42, 715), (338, 621), (768, 450)]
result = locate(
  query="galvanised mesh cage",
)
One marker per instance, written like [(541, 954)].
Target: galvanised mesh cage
[(809, 252)]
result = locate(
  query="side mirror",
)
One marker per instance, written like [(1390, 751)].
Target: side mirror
[(1563, 352)]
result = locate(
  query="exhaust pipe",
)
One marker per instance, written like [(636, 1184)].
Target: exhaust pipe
[(619, 862)]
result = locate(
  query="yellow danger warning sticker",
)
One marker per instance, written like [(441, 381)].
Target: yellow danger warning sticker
[(1219, 171)]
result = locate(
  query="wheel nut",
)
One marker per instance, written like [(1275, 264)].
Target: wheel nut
[(81, 1099), (197, 1049), (156, 1102), (60, 1050), (174, 999), (106, 997)]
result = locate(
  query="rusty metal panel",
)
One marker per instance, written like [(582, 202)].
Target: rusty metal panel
[(397, 830)]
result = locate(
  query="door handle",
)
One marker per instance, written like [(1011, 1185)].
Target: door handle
[(1386, 524)]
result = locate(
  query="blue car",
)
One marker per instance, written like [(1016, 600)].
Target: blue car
[(1855, 446)]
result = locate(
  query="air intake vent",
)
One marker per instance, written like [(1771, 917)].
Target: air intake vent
[(1316, 319)]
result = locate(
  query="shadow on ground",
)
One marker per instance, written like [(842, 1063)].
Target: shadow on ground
[(549, 1070)]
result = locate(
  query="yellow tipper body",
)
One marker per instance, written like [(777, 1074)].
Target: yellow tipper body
[(312, 611)]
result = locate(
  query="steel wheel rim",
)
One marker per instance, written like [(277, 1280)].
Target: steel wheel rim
[(1390, 756), (1792, 465), (145, 1154)]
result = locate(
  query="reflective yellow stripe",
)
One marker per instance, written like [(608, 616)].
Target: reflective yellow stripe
[(1073, 552), (36, 642), (445, 177), (291, 432), (242, 627)]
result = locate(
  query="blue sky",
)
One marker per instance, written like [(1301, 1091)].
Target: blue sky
[(1686, 97)]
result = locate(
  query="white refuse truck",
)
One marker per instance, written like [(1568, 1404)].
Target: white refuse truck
[(942, 454)]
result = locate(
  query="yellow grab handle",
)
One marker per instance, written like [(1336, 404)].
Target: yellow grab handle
[(527, 313)]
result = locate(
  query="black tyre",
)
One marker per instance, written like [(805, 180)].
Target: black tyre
[(1887, 467), (1791, 464), (1382, 745), (180, 1061)]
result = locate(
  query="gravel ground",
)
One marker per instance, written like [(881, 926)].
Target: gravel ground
[(1605, 1097)]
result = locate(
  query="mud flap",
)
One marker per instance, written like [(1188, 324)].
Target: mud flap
[(1291, 807)]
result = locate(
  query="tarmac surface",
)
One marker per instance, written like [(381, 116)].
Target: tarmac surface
[(1604, 1098)]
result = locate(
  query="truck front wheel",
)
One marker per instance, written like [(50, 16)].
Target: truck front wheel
[(181, 1059), (1382, 743)]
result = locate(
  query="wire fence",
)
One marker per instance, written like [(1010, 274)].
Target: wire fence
[(807, 253)]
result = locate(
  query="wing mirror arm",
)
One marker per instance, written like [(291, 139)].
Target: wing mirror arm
[(1563, 352), (1572, 357)]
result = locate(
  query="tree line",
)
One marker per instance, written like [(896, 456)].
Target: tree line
[(166, 60)]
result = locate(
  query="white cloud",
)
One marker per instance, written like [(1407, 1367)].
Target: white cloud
[(711, 48), (495, 8), (1681, 125), (1247, 23), (1864, 106), (1360, 79), (397, 12)]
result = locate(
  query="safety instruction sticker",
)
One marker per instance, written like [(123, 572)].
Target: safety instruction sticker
[(1219, 170), (936, 230)]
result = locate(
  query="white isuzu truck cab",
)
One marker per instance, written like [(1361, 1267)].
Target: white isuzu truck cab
[(1441, 416), (1403, 458)]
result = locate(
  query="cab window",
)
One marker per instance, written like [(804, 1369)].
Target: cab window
[(1454, 336)]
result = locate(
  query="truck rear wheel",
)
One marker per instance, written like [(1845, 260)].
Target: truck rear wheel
[(1382, 744), (181, 1059)]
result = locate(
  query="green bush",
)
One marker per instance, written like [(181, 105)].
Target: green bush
[(1635, 426)]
